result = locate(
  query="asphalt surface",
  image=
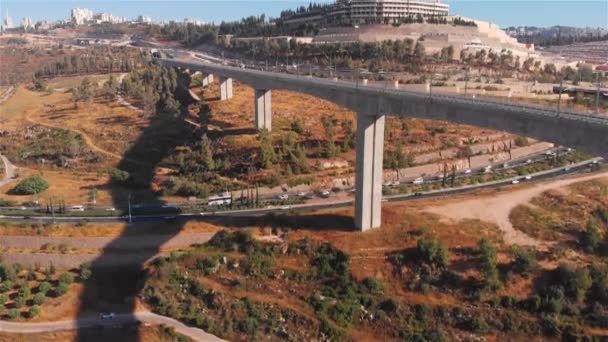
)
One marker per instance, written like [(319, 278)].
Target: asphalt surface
[(118, 320)]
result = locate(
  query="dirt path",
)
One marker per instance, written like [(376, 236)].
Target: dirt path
[(496, 209), (9, 171), (95, 322)]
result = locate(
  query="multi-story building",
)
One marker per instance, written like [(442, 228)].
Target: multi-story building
[(27, 23), (144, 19), (369, 11), (81, 15)]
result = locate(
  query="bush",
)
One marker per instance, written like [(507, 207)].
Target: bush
[(118, 175), (34, 311), (39, 298), (61, 289), (44, 287), (524, 261), (433, 251), (30, 186), (66, 278), (329, 261), (85, 271), (373, 285), (248, 325), (3, 299), (20, 301), (13, 314)]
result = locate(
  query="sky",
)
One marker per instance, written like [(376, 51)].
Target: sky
[(580, 13)]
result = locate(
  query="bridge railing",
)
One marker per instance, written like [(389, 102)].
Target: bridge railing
[(505, 103)]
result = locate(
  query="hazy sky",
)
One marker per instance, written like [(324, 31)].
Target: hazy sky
[(580, 13)]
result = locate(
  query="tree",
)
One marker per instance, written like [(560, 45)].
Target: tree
[(207, 153), (419, 51), (34, 311), (85, 271), (39, 298), (110, 87), (92, 193), (267, 153), (204, 116), (44, 287), (31, 186), (66, 278), (349, 135), (591, 239), (489, 262), (13, 314)]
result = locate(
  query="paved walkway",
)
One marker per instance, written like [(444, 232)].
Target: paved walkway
[(95, 321)]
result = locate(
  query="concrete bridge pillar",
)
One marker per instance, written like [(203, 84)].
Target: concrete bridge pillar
[(263, 109), (225, 88), (207, 79), (368, 179)]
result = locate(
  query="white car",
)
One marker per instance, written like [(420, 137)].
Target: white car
[(467, 171), (302, 194), (515, 181), (283, 197), (77, 208), (418, 181), (106, 315), (110, 209), (528, 177), (325, 194)]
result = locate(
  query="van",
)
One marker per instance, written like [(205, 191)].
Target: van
[(77, 208)]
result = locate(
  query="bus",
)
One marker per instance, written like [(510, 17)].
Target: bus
[(221, 199)]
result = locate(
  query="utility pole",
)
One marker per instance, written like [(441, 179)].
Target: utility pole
[(129, 204), (466, 80), (597, 95), (559, 99)]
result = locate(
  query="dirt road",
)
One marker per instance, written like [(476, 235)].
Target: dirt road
[(119, 319), (496, 209)]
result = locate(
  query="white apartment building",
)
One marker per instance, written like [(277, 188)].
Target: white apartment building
[(81, 15), (393, 10), (369, 11)]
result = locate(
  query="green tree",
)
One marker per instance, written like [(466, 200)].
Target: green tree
[(39, 298), (44, 287), (34, 311), (491, 280), (30, 186), (13, 314), (267, 153), (85, 271), (207, 153), (66, 277), (110, 87)]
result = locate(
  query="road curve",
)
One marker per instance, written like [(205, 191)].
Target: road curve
[(95, 321)]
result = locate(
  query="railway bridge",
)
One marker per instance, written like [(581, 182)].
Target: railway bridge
[(372, 104)]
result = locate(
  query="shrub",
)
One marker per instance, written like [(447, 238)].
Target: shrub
[(20, 301), (329, 261), (433, 251), (258, 264), (44, 287), (591, 239), (30, 186), (66, 278), (85, 271), (118, 175), (524, 261), (3, 299), (248, 325), (208, 265), (61, 289), (39, 298), (13, 314), (373, 285), (34, 311)]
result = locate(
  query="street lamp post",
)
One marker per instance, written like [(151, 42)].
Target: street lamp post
[(597, 95), (559, 99), (129, 204)]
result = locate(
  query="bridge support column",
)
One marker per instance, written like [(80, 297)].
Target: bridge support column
[(263, 109), (207, 79), (368, 178), (225, 88)]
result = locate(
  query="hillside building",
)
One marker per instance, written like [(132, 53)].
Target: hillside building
[(367, 11)]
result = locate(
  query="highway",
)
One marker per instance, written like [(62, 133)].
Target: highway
[(571, 169)]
